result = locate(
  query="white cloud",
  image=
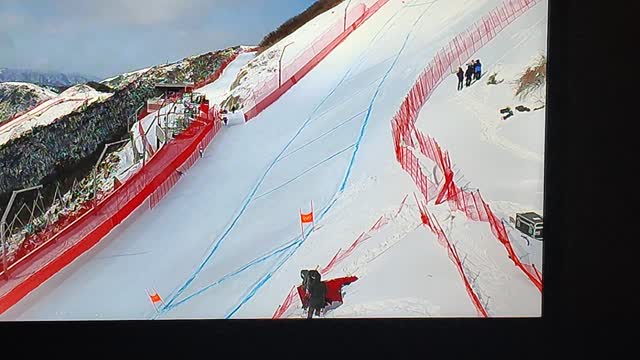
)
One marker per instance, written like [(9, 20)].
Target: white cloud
[(135, 12)]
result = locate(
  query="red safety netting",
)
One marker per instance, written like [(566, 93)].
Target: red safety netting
[(87, 229), (172, 180), (272, 89), (432, 223), (341, 255), (406, 136), (70, 236)]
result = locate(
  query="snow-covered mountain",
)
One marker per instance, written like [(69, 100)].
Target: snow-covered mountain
[(74, 98), (120, 81), (16, 97), (56, 122), (190, 69), (44, 77)]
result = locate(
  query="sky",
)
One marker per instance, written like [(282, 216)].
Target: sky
[(105, 38)]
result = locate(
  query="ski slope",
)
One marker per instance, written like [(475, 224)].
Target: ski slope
[(226, 241), (50, 110)]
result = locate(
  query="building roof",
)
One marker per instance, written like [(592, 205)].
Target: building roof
[(173, 85)]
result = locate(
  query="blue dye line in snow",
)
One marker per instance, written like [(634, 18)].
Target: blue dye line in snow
[(375, 95), (323, 135), (304, 172), (263, 281), (348, 172), (249, 197), (254, 262)]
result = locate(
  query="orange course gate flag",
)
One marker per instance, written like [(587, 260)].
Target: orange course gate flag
[(306, 218), (155, 298)]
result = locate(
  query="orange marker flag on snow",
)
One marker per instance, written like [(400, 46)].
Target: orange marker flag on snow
[(306, 218), (155, 298)]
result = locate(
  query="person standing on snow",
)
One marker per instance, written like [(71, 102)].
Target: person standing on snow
[(469, 73), (478, 69), (460, 74), (317, 292)]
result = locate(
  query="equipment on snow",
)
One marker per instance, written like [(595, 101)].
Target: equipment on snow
[(508, 113), (530, 224)]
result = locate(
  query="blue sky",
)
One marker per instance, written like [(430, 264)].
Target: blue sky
[(108, 37)]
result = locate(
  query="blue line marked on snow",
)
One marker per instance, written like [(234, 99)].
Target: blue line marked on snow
[(348, 172), (249, 198), (304, 172), (366, 118), (323, 135), (240, 270)]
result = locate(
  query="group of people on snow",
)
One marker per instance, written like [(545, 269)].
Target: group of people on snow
[(473, 72)]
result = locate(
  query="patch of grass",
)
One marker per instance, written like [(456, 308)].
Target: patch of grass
[(239, 78), (232, 102), (532, 79)]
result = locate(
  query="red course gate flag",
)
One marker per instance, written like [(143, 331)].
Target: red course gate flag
[(306, 218), (155, 298)]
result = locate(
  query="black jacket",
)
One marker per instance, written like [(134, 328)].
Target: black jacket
[(470, 71), (460, 74), (318, 293)]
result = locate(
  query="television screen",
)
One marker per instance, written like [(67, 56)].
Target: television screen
[(272, 160)]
